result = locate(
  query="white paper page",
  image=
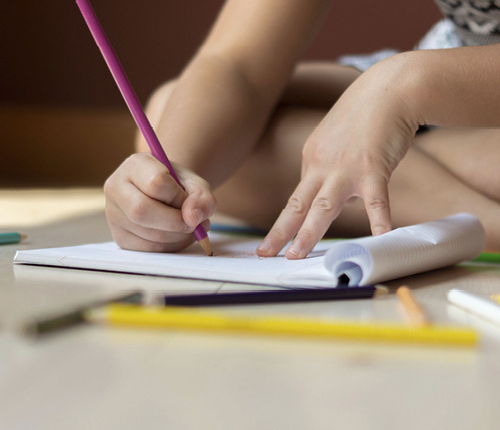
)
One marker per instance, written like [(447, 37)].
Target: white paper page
[(234, 260), (401, 252), (408, 250)]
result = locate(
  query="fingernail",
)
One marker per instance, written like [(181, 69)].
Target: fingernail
[(264, 247), (197, 215), (295, 250), (378, 230)]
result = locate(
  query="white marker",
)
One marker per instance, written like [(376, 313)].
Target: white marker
[(483, 308)]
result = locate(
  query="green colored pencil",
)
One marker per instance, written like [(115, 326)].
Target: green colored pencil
[(11, 237), (488, 257)]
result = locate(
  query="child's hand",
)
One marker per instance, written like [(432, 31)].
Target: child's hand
[(352, 153), (148, 211)]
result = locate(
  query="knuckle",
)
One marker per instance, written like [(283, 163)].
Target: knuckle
[(196, 186), (377, 203), (323, 204), (131, 161), (109, 186), (137, 212), (296, 205), (157, 182)]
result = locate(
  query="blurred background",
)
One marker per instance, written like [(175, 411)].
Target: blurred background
[(62, 120)]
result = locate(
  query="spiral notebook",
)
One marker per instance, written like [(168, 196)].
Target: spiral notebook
[(401, 252)]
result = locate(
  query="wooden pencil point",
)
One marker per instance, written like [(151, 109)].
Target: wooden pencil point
[(206, 245), (381, 290)]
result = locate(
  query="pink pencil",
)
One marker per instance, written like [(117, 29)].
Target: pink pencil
[(133, 103)]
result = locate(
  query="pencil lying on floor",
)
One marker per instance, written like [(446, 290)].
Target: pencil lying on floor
[(274, 296), (488, 257), (133, 103), (193, 319), (475, 304), (12, 237), (63, 320), (415, 313)]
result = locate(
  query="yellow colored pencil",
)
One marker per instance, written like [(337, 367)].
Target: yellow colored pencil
[(416, 314), (192, 319), (495, 298)]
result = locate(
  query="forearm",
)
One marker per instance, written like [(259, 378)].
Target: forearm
[(212, 119), (226, 94), (455, 87)]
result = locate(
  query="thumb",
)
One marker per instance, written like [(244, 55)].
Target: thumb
[(200, 203)]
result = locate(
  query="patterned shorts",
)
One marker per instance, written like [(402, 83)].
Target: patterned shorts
[(441, 36)]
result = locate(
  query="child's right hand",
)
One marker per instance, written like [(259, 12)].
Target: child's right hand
[(148, 211)]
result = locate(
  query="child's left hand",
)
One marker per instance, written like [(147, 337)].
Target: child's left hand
[(352, 153)]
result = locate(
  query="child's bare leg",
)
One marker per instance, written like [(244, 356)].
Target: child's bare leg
[(318, 84), (473, 155), (422, 189)]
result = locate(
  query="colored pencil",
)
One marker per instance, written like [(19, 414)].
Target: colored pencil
[(133, 103), (193, 319), (11, 237), (275, 296), (64, 320), (488, 257), (479, 306), (414, 311), (495, 298)]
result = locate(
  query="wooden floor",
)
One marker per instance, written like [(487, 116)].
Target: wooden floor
[(103, 378)]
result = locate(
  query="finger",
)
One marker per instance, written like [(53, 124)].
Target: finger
[(290, 219), (375, 195), (144, 211), (154, 179), (129, 240), (116, 217), (325, 207), (132, 236), (200, 203)]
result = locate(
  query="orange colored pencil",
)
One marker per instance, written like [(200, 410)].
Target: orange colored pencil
[(415, 312)]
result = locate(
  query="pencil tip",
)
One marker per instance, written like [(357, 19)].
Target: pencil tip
[(207, 247), (381, 289)]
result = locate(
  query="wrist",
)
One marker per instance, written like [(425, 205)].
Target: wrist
[(406, 75)]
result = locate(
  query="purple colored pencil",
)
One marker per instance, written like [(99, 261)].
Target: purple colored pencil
[(132, 102)]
